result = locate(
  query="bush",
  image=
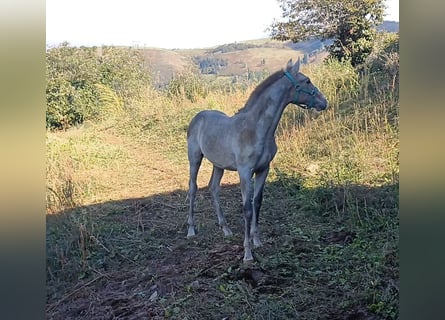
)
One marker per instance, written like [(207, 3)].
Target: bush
[(380, 72), (187, 85), (385, 53), (385, 58), (83, 83)]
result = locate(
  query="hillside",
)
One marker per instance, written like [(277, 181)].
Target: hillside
[(235, 59), (389, 26), (239, 58), (163, 63)]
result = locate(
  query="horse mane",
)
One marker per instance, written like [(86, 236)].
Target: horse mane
[(259, 89)]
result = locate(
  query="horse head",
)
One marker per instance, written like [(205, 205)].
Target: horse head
[(304, 93)]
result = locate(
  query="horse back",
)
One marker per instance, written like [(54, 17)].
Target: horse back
[(207, 118)]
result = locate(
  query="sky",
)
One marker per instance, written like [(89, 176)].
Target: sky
[(165, 24)]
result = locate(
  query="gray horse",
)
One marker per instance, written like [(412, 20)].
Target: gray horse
[(245, 143)]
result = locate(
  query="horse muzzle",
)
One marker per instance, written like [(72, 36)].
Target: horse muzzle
[(320, 105)]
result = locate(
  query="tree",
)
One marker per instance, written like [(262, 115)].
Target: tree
[(351, 24)]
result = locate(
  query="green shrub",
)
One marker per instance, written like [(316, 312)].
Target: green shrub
[(382, 65), (386, 48), (83, 83), (187, 85)]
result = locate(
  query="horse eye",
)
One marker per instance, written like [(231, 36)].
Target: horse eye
[(308, 81)]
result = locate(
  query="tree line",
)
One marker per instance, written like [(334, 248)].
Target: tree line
[(210, 65)]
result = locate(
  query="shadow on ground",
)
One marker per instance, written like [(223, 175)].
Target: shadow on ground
[(328, 253)]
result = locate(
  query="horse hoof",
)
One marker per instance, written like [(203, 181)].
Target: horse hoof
[(257, 243), (248, 258), (248, 261), (227, 232), (191, 233)]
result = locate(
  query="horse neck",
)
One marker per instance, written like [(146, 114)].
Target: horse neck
[(267, 108)]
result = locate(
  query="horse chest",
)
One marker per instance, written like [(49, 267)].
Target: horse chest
[(256, 155), (267, 154)]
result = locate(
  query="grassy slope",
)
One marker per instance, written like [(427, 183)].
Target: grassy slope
[(329, 220)]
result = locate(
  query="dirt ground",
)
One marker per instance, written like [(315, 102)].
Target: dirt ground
[(130, 259)]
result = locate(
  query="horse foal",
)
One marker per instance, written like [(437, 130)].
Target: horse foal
[(245, 143)]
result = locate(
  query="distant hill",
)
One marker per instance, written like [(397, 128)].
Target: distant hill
[(164, 64), (229, 60), (389, 26), (237, 59)]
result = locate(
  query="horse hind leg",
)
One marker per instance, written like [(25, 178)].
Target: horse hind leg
[(214, 186), (195, 160)]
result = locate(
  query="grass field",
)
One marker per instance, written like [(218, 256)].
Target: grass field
[(117, 210)]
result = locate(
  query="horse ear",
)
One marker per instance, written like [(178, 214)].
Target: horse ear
[(289, 65), (296, 67)]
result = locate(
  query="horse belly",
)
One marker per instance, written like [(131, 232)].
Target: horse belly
[(217, 149), (220, 157)]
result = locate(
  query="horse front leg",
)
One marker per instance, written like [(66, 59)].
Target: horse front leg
[(245, 179), (260, 180)]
